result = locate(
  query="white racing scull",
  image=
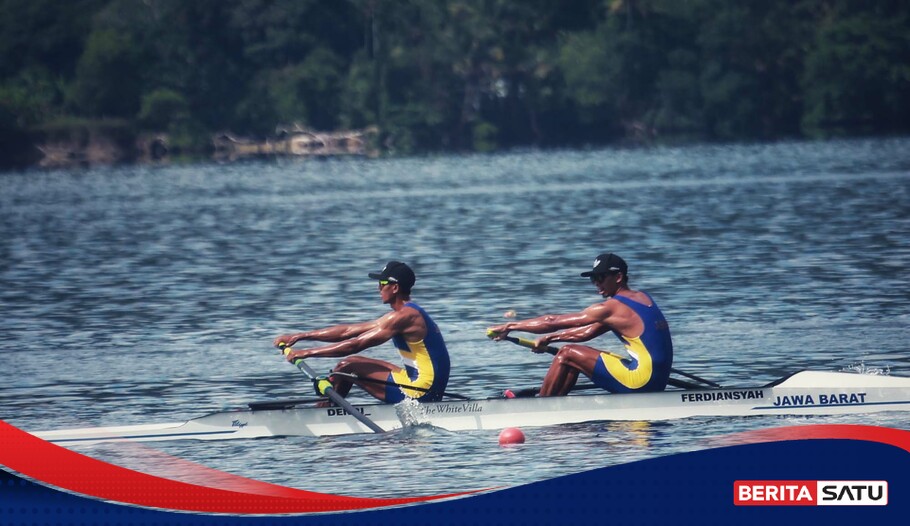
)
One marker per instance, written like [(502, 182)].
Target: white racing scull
[(803, 393)]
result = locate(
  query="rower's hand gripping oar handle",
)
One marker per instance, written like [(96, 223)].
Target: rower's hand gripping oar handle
[(320, 383), (524, 342), (324, 386)]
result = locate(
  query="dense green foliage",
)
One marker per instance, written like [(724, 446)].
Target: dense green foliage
[(460, 74)]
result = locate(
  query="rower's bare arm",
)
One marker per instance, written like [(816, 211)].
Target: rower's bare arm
[(575, 334), (354, 345), (377, 333), (341, 332), (586, 325), (541, 324), (336, 333)]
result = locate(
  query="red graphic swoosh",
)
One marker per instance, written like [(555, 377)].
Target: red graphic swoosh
[(68, 470), (62, 468), (885, 435)]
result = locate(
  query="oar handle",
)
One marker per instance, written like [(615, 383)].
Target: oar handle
[(524, 342), (529, 343), (325, 387)]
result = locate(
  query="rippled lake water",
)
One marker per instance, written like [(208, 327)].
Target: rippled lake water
[(139, 295)]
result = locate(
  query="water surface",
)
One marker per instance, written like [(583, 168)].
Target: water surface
[(138, 295)]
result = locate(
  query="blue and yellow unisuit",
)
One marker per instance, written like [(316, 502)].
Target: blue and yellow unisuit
[(650, 355), (426, 364)]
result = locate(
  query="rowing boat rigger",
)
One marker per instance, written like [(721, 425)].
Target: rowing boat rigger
[(804, 393)]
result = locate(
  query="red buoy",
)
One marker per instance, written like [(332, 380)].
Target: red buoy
[(511, 435)]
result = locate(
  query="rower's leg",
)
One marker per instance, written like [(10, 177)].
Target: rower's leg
[(563, 373), (365, 368)]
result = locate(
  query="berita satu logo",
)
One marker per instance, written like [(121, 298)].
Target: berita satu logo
[(810, 493)]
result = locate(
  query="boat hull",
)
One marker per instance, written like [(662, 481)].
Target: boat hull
[(805, 393)]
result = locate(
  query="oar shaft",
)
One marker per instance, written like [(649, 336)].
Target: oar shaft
[(335, 397)]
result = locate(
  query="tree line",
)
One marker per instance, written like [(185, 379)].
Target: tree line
[(455, 75)]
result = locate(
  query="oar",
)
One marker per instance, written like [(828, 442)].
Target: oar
[(394, 384), (325, 387), (525, 342)]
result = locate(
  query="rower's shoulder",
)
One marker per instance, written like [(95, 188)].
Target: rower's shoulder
[(604, 306), (410, 312), (641, 297), (637, 296)]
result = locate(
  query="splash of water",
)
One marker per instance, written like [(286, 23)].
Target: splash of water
[(408, 411), (862, 368)]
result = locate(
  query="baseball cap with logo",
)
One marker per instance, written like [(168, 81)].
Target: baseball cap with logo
[(396, 272), (607, 263)]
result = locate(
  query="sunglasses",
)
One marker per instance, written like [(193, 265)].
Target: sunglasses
[(597, 278), (384, 282)]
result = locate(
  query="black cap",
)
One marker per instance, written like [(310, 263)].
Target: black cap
[(396, 272), (607, 263)]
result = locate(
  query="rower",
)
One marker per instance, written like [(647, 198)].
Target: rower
[(412, 331), (630, 314)]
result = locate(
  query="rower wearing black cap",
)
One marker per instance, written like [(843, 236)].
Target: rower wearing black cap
[(412, 331), (630, 314)]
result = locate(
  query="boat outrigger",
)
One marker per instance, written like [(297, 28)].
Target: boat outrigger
[(803, 393)]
